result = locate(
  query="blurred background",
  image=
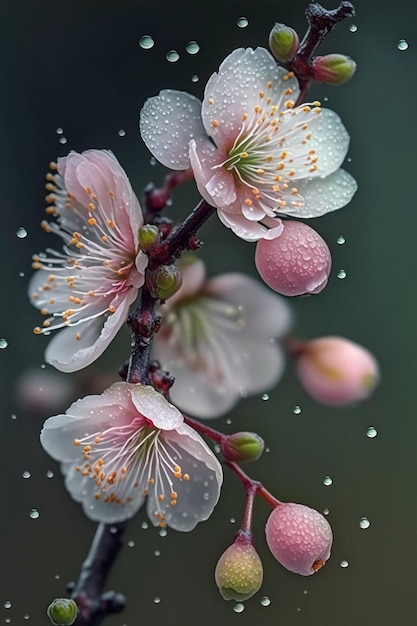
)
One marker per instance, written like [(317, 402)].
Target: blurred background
[(74, 76)]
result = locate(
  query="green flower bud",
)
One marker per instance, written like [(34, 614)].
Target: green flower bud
[(283, 42), (165, 281), (239, 571), (62, 612), (242, 447), (147, 235), (333, 69)]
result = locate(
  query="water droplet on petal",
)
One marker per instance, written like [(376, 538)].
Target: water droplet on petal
[(7, 604), (344, 563), (265, 601), (146, 42), (26, 474), (21, 232), (195, 78), (297, 409), (364, 522), (402, 44), (242, 22), (121, 132), (371, 432), (327, 481), (265, 396), (157, 600), (34, 514), (239, 607), (4, 344), (172, 56), (353, 28), (341, 240), (341, 274), (192, 47)]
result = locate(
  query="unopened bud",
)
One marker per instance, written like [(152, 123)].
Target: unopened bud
[(242, 447), (336, 371), (239, 571), (299, 537), (147, 236), (62, 612), (333, 69), (165, 281), (283, 42)]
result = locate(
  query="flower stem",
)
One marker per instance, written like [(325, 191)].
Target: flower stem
[(156, 198)]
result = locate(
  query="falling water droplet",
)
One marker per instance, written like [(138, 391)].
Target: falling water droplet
[(192, 47), (163, 532), (364, 522), (239, 607), (49, 474), (121, 132), (34, 514), (146, 42), (195, 78), (341, 240), (228, 421), (353, 28), (265, 601), (242, 22), (402, 45), (344, 563), (157, 600), (26, 474), (305, 592), (265, 396), (21, 232), (130, 544), (3, 344), (232, 520), (22, 274), (326, 511), (172, 56), (341, 274), (59, 131), (327, 481), (7, 604), (297, 409), (13, 415), (26, 616), (62, 140), (371, 432), (157, 553), (144, 525)]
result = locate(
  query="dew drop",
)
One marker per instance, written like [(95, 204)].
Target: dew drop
[(364, 522), (353, 28), (157, 600), (239, 607), (265, 396), (59, 131), (242, 22), (341, 240), (297, 409), (8, 620), (265, 601), (267, 449), (21, 232), (7, 604), (216, 448), (344, 563), (192, 47), (113, 530), (26, 616), (153, 162), (371, 432), (49, 474), (4, 344), (21, 274), (62, 140), (13, 415), (146, 42), (327, 481), (195, 78), (402, 45), (341, 274), (163, 532), (121, 132), (57, 576), (34, 514), (326, 511), (305, 592), (130, 544), (26, 474), (157, 553), (172, 56), (228, 421), (232, 520), (145, 525)]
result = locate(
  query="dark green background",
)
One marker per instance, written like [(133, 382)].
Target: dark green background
[(78, 65)]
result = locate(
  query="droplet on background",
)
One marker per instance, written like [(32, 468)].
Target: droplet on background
[(26, 616), (228, 421), (341, 240), (297, 409), (402, 45), (242, 22), (353, 28), (59, 131), (371, 432), (239, 607), (13, 416), (232, 520), (192, 47), (163, 532), (7, 604), (265, 601), (157, 600), (49, 474), (265, 396), (121, 132), (34, 514), (326, 511), (145, 525), (130, 544), (21, 274), (327, 481), (157, 553), (26, 474), (364, 522), (344, 563), (21, 232), (146, 42), (195, 78), (341, 274), (62, 140), (172, 56), (4, 344)]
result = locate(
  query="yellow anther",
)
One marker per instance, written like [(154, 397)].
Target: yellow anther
[(243, 155), (124, 469), (275, 188), (77, 442), (173, 502), (278, 178), (150, 481), (280, 166), (294, 191), (306, 109), (91, 206), (87, 449), (110, 223), (161, 497), (255, 191), (97, 496), (46, 324), (268, 100), (53, 165), (104, 238), (248, 202), (215, 123), (112, 309), (79, 245), (51, 301), (91, 293), (186, 477), (37, 266), (292, 173), (283, 155), (260, 171), (211, 100), (288, 91), (177, 468), (50, 210), (289, 104), (282, 202), (77, 336), (261, 94), (44, 311), (89, 190), (269, 84), (316, 103), (244, 117), (92, 221), (50, 187)]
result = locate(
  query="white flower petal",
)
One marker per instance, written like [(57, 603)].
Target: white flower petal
[(155, 407), (248, 230), (322, 195), (330, 140), (167, 124)]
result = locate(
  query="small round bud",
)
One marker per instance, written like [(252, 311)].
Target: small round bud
[(296, 263), (239, 571), (283, 42), (300, 538), (147, 235), (165, 281), (333, 69), (336, 371), (242, 447), (62, 612)]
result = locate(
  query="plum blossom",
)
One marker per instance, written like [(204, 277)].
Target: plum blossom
[(129, 444), (86, 289), (218, 340), (255, 155)]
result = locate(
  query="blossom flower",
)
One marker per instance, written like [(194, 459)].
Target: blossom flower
[(128, 443), (255, 155), (217, 340), (86, 289)]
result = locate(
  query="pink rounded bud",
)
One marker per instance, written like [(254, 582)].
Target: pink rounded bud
[(299, 537), (336, 371), (296, 263)]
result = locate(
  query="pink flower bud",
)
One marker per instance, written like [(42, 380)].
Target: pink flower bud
[(297, 262), (299, 537), (239, 571), (334, 370)]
